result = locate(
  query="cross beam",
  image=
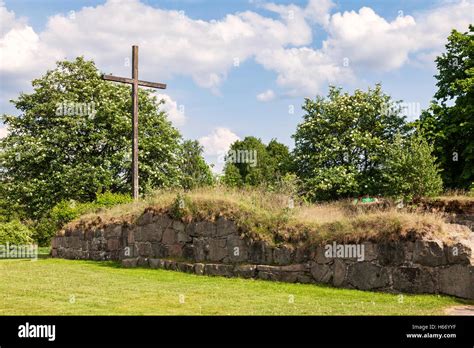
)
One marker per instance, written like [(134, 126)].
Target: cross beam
[(135, 82)]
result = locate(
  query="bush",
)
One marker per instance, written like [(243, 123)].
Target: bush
[(410, 169), (14, 232), (66, 211)]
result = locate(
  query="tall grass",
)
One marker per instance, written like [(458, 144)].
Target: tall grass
[(278, 218)]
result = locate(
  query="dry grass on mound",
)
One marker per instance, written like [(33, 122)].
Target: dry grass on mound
[(268, 216)]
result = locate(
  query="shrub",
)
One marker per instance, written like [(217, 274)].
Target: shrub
[(14, 232), (410, 169), (66, 211)]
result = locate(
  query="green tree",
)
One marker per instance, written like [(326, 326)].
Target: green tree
[(196, 172), (410, 169), (72, 140), (449, 122), (342, 141), (251, 162)]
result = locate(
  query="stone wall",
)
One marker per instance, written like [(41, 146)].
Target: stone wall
[(221, 248)]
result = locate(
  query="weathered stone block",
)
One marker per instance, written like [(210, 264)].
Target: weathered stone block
[(159, 250), (113, 231), (130, 262), (183, 237), (340, 272), (163, 221), (322, 273), (171, 265), (113, 244), (370, 251), (429, 253), (142, 262), (366, 276), (199, 268), (175, 250), (458, 253), (245, 271), (169, 236), (149, 233), (297, 267), (145, 219), (268, 268), (282, 256), (98, 233), (156, 263), (201, 249), (321, 257), (130, 236), (237, 249), (144, 249), (202, 229), (457, 280), (217, 249), (88, 235), (264, 275), (260, 253), (218, 270), (188, 252), (178, 226), (414, 279), (302, 254), (185, 267), (225, 227), (391, 253), (76, 242)]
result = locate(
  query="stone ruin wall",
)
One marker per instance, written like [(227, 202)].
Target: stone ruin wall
[(221, 248)]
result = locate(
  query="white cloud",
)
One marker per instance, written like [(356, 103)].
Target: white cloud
[(359, 41), (216, 145), (365, 38), (173, 44), (266, 96), (371, 42), (175, 112), (318, 11), (218, 141), (304, 71)]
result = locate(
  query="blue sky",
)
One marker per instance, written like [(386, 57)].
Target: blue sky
[(236, 68)]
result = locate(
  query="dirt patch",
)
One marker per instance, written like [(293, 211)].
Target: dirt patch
[(460, 310)]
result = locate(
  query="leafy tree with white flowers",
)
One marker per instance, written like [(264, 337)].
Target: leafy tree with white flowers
[(72, 140), (342, 142)]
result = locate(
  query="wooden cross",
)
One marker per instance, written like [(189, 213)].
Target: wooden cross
[(135, 82)]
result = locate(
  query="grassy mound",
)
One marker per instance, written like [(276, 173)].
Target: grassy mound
[(277, 219)]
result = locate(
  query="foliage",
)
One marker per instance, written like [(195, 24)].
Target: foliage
[(72, 140), (449, 122), (196, 172), (251, 162), (342, 142), (410, 170), (68, 210), (14, 232)]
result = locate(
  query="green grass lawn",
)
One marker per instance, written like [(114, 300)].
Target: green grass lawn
[(66, 287)]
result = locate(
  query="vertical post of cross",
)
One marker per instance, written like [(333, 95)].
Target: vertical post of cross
[(135, 122), (135, 82)]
